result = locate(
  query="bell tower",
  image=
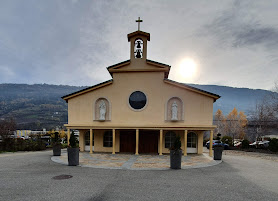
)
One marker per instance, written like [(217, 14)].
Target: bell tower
[(138, 44)]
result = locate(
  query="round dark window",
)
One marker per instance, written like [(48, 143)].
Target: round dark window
[(137, 100)]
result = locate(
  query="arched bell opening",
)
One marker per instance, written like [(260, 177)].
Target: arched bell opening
[(138, 48)]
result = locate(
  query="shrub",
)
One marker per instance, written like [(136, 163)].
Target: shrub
[(273, 145), (56, 140), (228, 140), (73, 141), (177, 144), (245, 144), (64, 145)]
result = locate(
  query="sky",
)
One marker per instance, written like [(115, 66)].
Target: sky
[(71, 42)]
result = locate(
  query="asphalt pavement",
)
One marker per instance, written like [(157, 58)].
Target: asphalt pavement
[(30, 176)]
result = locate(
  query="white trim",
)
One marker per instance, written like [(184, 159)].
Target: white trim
[(87, 148), (191, 150), (109, 106), (139, 110), (166, 110)]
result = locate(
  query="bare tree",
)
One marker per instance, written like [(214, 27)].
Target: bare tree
[(7, 128), (262, 118), (274, 100), (220, 122)]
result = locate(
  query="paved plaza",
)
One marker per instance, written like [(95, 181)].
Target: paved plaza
[(28, 176), (136, 162)]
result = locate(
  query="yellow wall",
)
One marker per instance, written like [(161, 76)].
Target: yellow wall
[(98, 143), (198, 108), (181, 134)]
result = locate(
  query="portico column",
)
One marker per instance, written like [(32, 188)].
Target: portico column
[(137, 142), (160, 142), (114, 138), (91, 141), (210, 143), (68, 136), (185, 143)]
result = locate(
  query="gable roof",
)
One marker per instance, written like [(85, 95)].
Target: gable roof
[(194, 89), (88, 89), (158, 67), (147, 35)]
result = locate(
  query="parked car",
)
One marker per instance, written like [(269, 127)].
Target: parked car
[(237, 144), (217, 142), (260, 144)]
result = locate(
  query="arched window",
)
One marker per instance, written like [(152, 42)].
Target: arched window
[(107, 139), (169, 139), (191, 140)]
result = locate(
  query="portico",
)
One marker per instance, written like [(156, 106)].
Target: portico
[(140, 140)]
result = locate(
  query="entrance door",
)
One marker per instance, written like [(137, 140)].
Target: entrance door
[(87, 141), (148, 141), (127, 141), (191, 143)]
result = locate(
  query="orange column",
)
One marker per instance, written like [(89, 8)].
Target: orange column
[(91, 141), (114, 141), (137, 142), (210, 143), (185, 143), (160, 142), (68, 136)]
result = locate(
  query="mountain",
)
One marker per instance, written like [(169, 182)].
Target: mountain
[(40, 105), (35, 106), (243, 99)]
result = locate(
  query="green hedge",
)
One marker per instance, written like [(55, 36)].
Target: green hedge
[(10, 144)]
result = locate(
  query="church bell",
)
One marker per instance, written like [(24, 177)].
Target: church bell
[(138, 45), (138, 54)]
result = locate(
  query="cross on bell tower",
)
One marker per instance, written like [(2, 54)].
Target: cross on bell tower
[(138, 44), (138, 21)]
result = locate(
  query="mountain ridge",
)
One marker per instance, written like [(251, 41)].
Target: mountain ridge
[(37, 106)]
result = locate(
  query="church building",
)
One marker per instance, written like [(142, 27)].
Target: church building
[(140, 110)]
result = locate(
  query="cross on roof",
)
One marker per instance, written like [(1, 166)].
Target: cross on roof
[(139, 23)]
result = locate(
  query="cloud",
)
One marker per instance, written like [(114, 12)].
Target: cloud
[(72, 42), (237, 27)]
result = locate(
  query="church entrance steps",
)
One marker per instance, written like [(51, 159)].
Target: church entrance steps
[(136, 162)]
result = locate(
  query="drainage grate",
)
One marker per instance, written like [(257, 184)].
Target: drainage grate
[(61, 177)]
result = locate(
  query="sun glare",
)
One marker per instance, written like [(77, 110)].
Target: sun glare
[(187, 68)]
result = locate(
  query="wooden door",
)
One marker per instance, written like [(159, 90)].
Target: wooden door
[(127, 141), (148, 141)]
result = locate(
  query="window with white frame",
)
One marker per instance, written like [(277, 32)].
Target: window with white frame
[(107, 139), (87, 138), (191, 140), (170, 139)]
